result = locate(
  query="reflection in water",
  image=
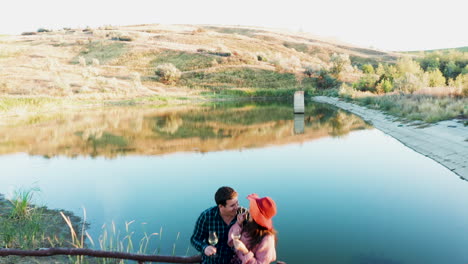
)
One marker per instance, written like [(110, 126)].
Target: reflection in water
[(298, 123), (143, 131)]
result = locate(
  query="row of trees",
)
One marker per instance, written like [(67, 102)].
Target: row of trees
[(406, 75), (450, 64)]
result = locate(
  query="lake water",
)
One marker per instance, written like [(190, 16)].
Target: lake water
[(346, 192)]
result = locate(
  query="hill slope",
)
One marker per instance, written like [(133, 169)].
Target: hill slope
[(118, 62)]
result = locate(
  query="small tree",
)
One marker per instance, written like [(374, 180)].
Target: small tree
[(451, 70), (366, 83), (339, 63), (168, 73), (380, 69), (325, 80), (465, 70), (430, 63), (384, 86), (407, 65), (309, 71), (367, 68), (436, 79), (409, 83)]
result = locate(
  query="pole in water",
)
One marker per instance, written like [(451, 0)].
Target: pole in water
[(299, 102)]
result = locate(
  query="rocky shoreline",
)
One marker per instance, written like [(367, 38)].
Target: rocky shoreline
[(445, 142)]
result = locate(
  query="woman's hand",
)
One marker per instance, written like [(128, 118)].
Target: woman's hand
[(241, 218), (240, 246)]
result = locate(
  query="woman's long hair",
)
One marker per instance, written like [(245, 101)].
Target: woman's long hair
[(256, 232)]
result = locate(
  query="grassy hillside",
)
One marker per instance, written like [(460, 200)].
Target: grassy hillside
[(170, 64), (121, 62)]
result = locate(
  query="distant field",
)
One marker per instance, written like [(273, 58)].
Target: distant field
[(460, 49)]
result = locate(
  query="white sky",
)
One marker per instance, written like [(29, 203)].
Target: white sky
[(382, 24)]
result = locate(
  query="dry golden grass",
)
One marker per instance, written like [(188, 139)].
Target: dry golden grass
[(440, 91), (46, 64)]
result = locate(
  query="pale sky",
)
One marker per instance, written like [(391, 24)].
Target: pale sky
[(382, 24)]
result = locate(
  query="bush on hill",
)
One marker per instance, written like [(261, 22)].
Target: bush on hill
[(168, 73)]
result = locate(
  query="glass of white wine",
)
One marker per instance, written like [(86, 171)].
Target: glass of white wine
[(212, 238), (236, 235)]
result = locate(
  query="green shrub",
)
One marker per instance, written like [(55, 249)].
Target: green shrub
[(436, 79), (462, 82), (366, 83), (325, 80), (21, 203), (242, 78), (419, 107), (360, 61), (168, 73), (42, 30), (408, 83), (367, 68), (261, 57), (123, 38), (103, 51), (186, 61), (430, 63), (340, 62), (261, 92), (452, 70), (465, 70), (407, 65), (385, 83), (301, 47), (384, 86), (309, 71)]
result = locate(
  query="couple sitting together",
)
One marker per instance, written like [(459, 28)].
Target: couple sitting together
[(242, 237)]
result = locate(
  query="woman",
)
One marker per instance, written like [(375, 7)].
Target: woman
[(257, 240)]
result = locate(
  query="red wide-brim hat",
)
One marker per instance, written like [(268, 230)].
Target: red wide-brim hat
[(262, 210)]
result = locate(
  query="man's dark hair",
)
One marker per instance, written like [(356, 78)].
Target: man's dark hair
[(223, 194)]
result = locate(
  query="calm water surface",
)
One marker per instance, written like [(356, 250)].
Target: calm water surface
[(346, 192)]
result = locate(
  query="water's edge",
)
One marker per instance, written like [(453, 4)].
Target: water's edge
[(444, 142)]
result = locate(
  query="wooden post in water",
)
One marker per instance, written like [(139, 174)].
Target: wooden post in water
[(299, 102)]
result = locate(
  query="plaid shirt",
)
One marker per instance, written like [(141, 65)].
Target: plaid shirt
[(210, 220)]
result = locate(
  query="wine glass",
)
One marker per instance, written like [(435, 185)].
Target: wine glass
[(243, 213), (212, 238), (241, 210), (235, 235)]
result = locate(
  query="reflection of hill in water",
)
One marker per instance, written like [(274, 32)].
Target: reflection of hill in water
[(141, 131)]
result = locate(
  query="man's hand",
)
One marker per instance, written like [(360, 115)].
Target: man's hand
[(210, 250), (239, 246)]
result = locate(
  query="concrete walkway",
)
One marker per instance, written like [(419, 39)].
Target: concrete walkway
[(445, 142)]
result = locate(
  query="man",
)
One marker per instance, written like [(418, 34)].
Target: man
[(219, 219)]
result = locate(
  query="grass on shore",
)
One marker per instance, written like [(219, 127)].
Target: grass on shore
[(24, 225), (28, 104), (243, 78), (234, 94), (27, 226), (425, 108)]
